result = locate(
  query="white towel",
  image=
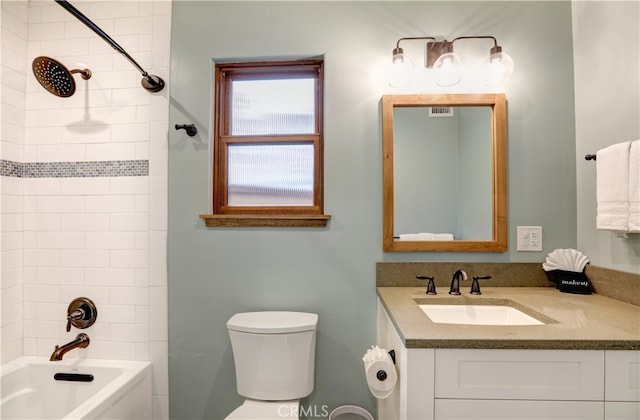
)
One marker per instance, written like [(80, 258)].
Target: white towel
[(634, 187), (410, 237), (425, 236), (565, 259), (443, 237), (612, 187)]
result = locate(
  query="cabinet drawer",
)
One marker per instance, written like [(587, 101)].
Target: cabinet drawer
[(518, 410), (520, 374), (622, 381), (622, 410)]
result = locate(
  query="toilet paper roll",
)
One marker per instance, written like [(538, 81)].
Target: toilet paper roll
[(380, 372)]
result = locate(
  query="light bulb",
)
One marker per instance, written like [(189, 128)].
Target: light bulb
[(401, 74), (448, 67), (397, 56), (498, 68)]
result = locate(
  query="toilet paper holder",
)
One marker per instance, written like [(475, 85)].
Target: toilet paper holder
[(381, 375), (380, 371)]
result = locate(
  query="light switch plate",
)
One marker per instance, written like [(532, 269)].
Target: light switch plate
[(529, 238)]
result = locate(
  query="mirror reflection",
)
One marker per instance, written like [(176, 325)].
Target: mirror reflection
[(444, 172), (442, 152)]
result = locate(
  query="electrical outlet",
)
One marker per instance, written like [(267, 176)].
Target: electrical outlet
[(529, 238)]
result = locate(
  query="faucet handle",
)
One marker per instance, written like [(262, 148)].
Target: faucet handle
[(81, 313), (431, 286), (475, 285)]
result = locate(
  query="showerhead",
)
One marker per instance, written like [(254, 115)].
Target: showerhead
[(55, 77), (152, 82)]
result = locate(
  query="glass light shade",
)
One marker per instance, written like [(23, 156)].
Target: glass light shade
[(401, 74), (497, 69), (448, 68)]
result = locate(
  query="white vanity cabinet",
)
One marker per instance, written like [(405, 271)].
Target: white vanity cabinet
[(519, 384), (622, 385), (448, 383)]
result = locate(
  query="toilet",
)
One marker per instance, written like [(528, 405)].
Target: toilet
[(274, 357)]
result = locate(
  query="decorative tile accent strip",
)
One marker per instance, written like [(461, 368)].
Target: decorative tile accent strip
[(110, 168), (9, 168)]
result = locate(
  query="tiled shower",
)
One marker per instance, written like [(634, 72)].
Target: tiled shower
[(84, 181)]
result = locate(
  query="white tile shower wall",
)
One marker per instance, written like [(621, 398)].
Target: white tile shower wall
[(13, 41), (70, 235), (65, 246)]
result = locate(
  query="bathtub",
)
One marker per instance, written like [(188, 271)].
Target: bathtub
[(87, 389)]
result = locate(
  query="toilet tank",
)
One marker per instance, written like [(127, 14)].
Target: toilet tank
[(274, 354)]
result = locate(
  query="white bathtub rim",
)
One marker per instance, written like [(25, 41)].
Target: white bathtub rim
[(133, 371)]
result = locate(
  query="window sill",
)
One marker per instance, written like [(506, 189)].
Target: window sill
[(265, 220)]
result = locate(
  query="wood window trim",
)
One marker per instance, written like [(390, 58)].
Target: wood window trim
[(276, 216), (265, 220)]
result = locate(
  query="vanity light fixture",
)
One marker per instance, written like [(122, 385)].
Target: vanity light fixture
[(441, 57)]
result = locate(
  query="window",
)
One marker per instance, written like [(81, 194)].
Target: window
[(268, 148)]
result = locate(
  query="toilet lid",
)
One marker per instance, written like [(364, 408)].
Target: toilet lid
[(262, 410), (273, 322)]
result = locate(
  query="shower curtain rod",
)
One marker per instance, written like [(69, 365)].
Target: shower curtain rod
[(150, 82)]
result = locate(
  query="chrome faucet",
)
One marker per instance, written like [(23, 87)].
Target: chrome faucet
[(82, 341), (455, 282)]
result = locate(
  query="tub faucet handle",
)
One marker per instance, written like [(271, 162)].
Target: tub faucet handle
[(76, 315), (81, 313)]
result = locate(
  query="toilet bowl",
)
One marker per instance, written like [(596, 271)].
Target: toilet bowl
[(274, 358)]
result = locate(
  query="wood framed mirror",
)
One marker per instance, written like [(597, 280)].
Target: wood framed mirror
[(444, 160)]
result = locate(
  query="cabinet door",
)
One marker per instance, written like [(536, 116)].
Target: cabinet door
[(518, 410), (412, 397), (520, 374), (622, 381), (393, 407)]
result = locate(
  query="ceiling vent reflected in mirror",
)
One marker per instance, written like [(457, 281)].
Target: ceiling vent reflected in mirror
[(441, 111)]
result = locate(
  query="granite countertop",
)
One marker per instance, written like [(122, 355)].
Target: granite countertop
[(572, 321)]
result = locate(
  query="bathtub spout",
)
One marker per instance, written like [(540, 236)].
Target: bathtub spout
[(82, 341)]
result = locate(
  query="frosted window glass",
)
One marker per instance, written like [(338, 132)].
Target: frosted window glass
[(281, 106), (270, 175)]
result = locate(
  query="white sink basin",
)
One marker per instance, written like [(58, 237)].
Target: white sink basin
[(478, 315)]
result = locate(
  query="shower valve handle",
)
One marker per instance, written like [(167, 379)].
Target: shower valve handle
[(81, 313), (76, 315), (189, 128)]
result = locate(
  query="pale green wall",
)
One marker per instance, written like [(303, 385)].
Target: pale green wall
[(214, 273), (425, 180), (607, 81), (475, 170)]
